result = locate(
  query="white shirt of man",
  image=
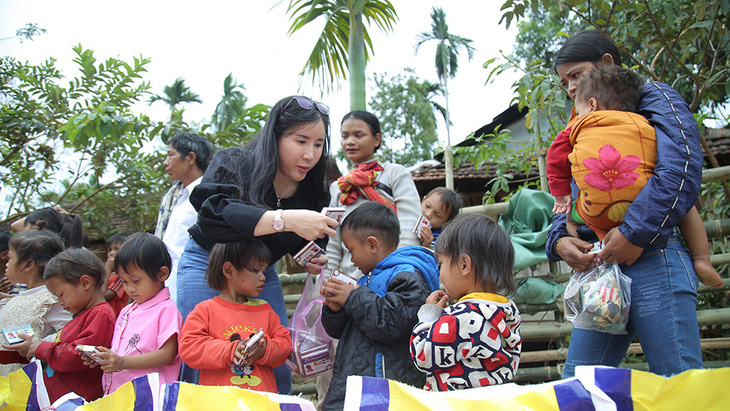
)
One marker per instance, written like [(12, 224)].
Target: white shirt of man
[(176, 235)]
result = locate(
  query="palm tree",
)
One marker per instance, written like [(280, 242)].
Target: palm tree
[(175, 94), (344, 41), (447, 55), (231, 105)]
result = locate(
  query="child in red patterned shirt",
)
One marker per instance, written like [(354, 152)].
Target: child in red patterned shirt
[(476, 341)]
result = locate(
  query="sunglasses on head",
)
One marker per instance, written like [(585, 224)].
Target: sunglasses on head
[(308, 104)]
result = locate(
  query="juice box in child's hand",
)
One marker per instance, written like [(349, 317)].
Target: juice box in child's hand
[(251, 344), (335, 213), (310, 251), (342, 277), (422, 222), (12, 334), (86, 352)]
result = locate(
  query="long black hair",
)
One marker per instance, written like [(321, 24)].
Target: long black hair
[(589, 45), (67, 226), (259, 159)]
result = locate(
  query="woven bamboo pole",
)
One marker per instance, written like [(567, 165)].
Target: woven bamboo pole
[(634, 348)]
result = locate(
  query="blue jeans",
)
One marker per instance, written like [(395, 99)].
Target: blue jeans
[(192, 288), (663, 315)]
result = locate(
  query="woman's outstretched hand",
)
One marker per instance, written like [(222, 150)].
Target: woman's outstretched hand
[(308, 224)]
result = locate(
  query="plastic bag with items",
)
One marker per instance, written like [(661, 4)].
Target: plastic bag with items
[(599, 299), (312, 352)]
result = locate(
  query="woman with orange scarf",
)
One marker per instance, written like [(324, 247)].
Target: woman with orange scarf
[(370, 180)]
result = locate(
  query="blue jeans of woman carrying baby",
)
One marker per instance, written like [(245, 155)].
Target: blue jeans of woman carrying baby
[(193, 288), (663, 315)]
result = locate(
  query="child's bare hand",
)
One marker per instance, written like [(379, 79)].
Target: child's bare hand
[(314, 266), (336, 291), (5, 285), (331, 304), (438, 297), (26, 348), (108, 360), (87, 362), (257, 352), (562, 204), (426, 236)]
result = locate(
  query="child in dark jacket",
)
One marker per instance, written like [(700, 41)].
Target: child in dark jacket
[(373, 320)]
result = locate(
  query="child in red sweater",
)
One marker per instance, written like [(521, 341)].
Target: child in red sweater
[(215, 333), (76, 278)]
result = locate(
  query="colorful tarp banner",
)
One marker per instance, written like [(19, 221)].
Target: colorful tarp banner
[(188, 397), (593, 388), (25, 390)]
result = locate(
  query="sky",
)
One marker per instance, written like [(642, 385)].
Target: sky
[(203, 42)]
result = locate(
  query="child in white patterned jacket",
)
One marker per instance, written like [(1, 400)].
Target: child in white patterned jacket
[(476, 341)]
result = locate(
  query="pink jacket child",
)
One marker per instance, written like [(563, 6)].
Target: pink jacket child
[(142, 328)]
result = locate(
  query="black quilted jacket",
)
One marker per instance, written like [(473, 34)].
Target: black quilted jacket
[(374, 334)]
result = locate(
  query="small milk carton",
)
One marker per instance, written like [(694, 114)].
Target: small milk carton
[(310, 251), (422, 222), (12, 334)]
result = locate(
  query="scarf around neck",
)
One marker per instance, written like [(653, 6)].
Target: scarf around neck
[(360, 182)]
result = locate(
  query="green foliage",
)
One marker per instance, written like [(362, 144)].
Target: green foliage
[(448, 45), (231, 105), (242, 128), (405, 107), (551, 23), (76, 141), (27, 32), (684, 43), (76, 136), (504, 156), (175, 94), (344, 45)]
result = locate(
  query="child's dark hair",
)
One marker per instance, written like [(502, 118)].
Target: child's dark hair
[(4, 240), (38, 246), (67, 226), (615, 87), (249, 254), (373, 219), (116, 238), (451, 199), (144, 251), (488, 246), (73, 263)]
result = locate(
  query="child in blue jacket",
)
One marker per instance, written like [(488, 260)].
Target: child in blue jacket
[(374, 319)]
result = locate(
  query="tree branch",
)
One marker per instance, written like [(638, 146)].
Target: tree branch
[(666, 43), (99, 190)]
